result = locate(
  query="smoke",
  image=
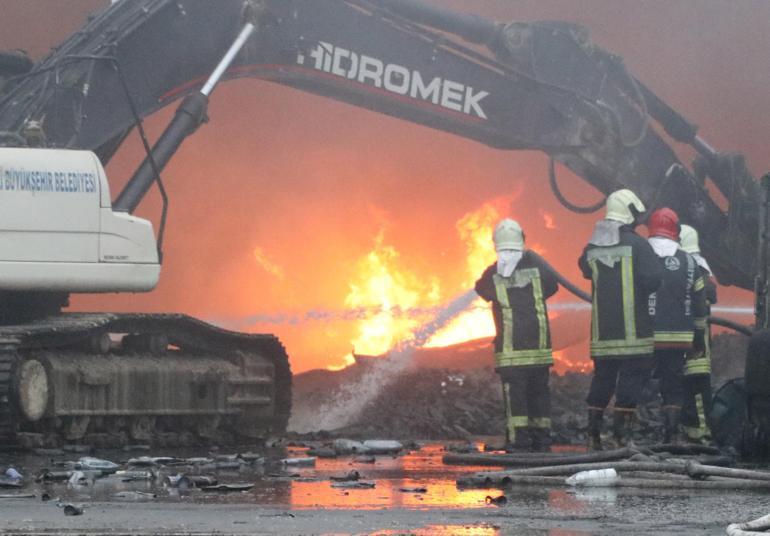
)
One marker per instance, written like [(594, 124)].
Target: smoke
[(347, 403)]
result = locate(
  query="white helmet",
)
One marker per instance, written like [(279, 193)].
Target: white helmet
[(619, 205), (688, 239), (508, 235)]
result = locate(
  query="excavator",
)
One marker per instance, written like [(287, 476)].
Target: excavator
[(512, 86)]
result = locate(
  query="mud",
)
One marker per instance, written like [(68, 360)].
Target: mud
[(301, 500)]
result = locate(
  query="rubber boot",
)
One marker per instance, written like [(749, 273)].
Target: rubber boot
[(595, 417), (541, 439), (522, 441), (671, 431), (622, 420)]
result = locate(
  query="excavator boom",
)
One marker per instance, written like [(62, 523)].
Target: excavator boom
[(542, 86)]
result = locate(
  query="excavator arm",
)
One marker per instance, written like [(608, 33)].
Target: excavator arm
[(512, 86)]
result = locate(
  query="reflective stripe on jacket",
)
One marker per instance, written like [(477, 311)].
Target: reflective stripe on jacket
[(622, 277), (521, 317), (679, 303), (702, 365)]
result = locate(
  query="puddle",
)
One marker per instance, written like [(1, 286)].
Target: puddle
[(311, 488)]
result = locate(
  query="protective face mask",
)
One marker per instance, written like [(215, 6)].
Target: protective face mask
[(507, 259), (664, 247), (606, 233)]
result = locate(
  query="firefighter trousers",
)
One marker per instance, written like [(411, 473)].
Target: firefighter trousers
[(669, 368), (527, 399), (622, 376), (697, 406)]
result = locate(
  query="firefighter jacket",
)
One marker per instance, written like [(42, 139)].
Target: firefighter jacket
[(521, 318), (701, 363), (679, 305), (624, 270)]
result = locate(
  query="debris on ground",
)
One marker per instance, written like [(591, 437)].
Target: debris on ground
[(353, 485), (229, 487), (309, 461), (71, 509), (500, 500), (350, 477), (413, 489)]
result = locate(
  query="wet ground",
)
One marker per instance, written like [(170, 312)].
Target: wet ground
[(301, 500)]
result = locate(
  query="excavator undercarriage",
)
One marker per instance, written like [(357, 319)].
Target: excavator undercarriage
[(115, 379)]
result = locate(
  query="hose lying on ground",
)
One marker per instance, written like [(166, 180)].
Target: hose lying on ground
[(747, 529)]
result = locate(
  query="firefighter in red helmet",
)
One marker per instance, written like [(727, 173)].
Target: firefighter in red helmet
[(679, 310)]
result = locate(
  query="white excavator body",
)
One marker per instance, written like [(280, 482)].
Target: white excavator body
[(58, 231)]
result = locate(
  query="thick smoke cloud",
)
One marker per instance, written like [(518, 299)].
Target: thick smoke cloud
[(310, 182)]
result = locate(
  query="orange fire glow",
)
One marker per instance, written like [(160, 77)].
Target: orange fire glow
[(271, 228)]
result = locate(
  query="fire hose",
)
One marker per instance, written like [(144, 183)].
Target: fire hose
[(574, 289)]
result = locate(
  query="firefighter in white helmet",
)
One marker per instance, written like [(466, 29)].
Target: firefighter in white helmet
[(624, 271), (697, 367), (517, 286)]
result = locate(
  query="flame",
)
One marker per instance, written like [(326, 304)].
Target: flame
[(475, 231), (389, 293), (562, 363)]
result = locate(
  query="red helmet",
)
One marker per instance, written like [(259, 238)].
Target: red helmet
[(664, 222)]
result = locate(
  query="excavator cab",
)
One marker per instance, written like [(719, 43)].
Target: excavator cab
[(73, 242)]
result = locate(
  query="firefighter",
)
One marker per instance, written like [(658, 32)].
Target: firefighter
[(518, 286), (679, 311), (697, 368), (624, 271)]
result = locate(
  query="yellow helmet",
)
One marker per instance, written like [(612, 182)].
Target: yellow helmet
[(688, 239), (619, 205), (508, 235)]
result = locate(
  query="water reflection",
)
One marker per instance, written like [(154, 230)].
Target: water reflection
[(418, 469)]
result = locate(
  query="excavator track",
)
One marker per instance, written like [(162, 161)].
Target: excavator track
[(7, 421), (251, 376)]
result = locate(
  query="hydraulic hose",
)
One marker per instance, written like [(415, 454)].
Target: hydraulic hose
[(563, 200)]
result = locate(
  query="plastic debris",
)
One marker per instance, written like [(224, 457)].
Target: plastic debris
[(77, 478), (364, 459), (594, 478), (382, 446), (353, 485), (348, 446), (413, 489), (298, 461), (252, 458), (13, 474), (96, 464), (18, 496)]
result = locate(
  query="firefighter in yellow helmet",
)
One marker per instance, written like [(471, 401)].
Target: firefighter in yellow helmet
[(517, 286), (697, 367), (624, 270)]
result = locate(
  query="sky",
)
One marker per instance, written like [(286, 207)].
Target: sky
[(279, 203)]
